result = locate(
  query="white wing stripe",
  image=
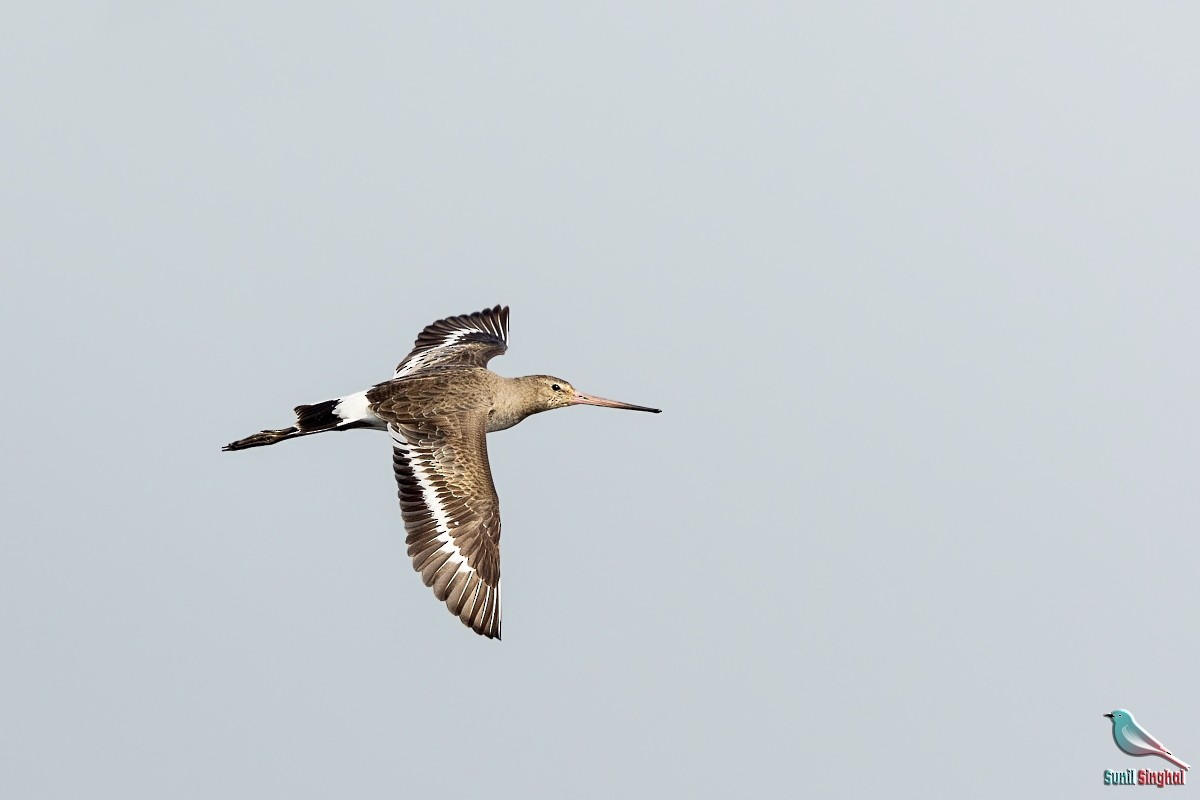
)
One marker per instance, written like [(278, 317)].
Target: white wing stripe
[(419, 361), (417, 469), (489, 322), (440, 518)]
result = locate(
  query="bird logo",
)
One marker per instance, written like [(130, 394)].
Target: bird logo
[(1135, 740)]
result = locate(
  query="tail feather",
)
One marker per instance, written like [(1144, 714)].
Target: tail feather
[(262, 438), (318, 416), (1170, 757), (343, 414)]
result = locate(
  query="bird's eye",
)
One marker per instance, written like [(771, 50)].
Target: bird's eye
[(556, 387)]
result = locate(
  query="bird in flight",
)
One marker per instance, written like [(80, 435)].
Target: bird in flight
[(438, 408), (1136, 740)]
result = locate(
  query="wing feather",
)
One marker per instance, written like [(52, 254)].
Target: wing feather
[(468, 340), (1140, 738), (451, 513)]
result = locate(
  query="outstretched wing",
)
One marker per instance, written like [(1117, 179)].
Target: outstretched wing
[(451, 513), (469, 340)]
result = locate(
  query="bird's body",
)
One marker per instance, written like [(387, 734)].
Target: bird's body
[(450, 390), (438, 408), (1135, 740)]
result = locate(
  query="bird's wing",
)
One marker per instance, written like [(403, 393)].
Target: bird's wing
[(1138, 730), (469, 340), (451, 512), (1134, 734)]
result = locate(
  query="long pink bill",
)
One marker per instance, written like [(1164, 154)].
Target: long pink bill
[(591, 400)]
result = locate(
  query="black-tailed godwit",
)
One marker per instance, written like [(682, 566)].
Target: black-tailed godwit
[(438, 408)]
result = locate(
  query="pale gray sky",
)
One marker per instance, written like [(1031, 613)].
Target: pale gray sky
[(915, 284)]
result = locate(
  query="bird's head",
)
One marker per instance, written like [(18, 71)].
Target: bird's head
[(1120, 716), (552, 392)]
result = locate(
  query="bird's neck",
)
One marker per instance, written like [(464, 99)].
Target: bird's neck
[(513, 400)]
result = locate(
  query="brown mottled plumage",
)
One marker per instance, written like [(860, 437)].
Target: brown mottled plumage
[(438, 409)]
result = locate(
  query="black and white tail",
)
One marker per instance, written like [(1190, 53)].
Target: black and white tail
[(342, 414)]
